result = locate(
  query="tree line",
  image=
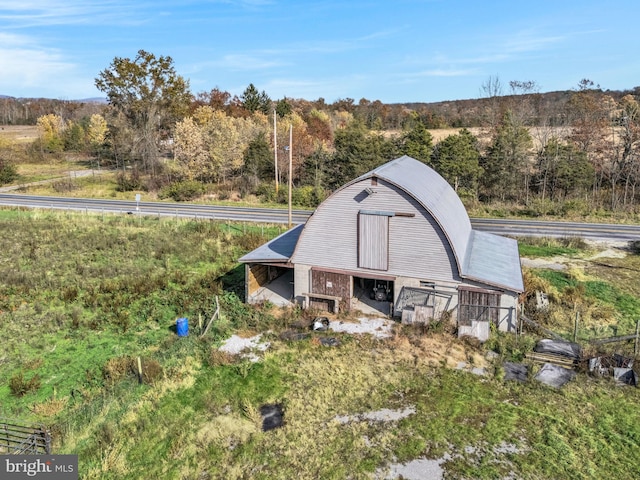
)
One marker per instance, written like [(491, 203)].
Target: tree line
[(511, 145)]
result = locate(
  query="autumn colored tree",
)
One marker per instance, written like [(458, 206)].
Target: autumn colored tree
[(589, 116), (147, 97), (624, 171), (97, 132), (210, 145), (190, 151), (50, 130)]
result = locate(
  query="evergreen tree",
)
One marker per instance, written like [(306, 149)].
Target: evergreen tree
[(417, 142), (505, 164), (456, 158), (358, 150), (255, 101), (258, 158)]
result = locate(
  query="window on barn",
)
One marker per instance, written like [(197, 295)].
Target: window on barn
[(477, 304), (373, 240)]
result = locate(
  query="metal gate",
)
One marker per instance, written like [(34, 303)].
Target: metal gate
[(18, 438)]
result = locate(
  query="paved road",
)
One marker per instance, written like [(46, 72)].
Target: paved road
[(595, 231)]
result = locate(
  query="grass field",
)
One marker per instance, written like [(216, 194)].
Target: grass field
[(82, 297)]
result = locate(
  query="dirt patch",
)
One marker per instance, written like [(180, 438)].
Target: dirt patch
[(608, 249)]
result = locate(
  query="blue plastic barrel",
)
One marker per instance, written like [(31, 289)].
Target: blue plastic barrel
[(182, 327)]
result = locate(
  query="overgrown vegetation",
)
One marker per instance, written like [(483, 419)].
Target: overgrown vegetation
[(601, 294), (82, 298)]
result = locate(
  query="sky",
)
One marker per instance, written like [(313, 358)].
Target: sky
[(395, 51)]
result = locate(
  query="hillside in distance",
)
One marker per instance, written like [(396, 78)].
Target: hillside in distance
[(445, 114)]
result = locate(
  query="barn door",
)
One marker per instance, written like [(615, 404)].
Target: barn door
[(329, 283), (373, 241), (478, 305)]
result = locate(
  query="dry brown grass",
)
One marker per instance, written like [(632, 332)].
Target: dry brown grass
[(435, 349), (19, 133), (51, 407)]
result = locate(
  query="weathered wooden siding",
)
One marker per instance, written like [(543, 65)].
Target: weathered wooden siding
[(330, 283), (479, 305), (417, 246)]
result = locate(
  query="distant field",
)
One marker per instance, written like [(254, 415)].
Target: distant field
[(19, 133)]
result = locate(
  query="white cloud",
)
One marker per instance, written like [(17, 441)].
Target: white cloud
[(30, 70), (65, 12)]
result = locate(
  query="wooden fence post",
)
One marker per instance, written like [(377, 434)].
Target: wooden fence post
[(139, 371)]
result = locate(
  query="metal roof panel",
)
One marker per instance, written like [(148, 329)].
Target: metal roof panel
[(494, 260), (279, 249)]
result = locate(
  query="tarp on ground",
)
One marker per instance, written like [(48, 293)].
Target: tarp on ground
[(559, 347), (554, 375), (516, 371), (626, 376)]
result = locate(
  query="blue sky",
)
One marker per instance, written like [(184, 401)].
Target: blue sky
[(392, 51)]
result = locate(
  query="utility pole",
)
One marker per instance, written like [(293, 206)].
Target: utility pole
[(275, 149), (290, 167)]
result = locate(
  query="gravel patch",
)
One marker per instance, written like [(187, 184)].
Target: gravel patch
[(382, 415), (235, 345), (379, 327), (420, 469)]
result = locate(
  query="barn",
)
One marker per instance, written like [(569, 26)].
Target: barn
[(397, 240)]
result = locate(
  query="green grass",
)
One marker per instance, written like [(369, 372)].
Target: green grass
[(627, 306), (550, 247), (79, 291)]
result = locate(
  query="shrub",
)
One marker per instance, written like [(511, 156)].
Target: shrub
[(267, 192), (216, 358), (151, 370), (20, 386), (127, 182), (64, 186), (116, 369), (303, 196), (182, 191), (8, 172)]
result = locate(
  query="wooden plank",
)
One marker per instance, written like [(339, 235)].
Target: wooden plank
[(321, 295), (310, 296), (550, 358)]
